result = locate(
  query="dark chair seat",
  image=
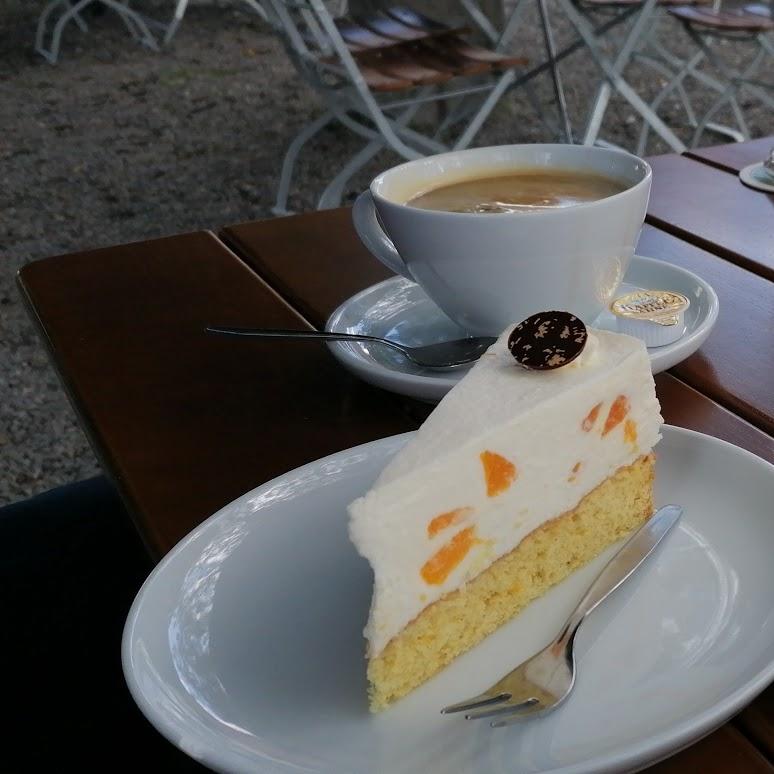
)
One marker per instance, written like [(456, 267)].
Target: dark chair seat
[(726, 20), (398, 49)]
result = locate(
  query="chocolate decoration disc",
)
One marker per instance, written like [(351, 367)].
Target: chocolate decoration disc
[(547, 340)]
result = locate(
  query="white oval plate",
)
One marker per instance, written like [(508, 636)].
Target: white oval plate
[(244, 646), (399, 309)]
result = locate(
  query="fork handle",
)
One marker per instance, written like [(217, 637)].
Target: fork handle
[(630, 556)]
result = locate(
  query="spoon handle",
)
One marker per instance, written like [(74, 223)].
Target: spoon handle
[(283, 333)]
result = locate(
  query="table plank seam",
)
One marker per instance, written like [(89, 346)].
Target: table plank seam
[(720, 405), (265, 280), (753, 722), (234, 246), (704, 244), (752, 416), (736, 729), (710, 162)]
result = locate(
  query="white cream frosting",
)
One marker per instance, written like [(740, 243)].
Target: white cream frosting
[(534, 420)]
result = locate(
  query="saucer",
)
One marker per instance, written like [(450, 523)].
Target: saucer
[(755, 176), (400, 310)]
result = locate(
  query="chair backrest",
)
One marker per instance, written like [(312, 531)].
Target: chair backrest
[(314, 43)]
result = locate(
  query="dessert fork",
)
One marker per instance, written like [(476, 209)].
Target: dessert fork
[(543, 682)]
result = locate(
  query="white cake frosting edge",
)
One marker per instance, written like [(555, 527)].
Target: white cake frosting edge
[(530, 418)]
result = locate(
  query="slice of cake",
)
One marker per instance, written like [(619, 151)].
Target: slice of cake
[(517, 478)]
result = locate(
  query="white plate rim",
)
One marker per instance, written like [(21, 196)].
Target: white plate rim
[(640, 755), (426, 385)]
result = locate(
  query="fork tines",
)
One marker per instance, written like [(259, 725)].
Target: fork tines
[(491, 706)]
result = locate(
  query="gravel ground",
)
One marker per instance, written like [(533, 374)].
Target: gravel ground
[(116, 144)]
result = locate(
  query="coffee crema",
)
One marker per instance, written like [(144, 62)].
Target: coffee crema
[(518, 192)]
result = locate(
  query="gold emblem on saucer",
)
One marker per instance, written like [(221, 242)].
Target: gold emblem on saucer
[(662, 307)]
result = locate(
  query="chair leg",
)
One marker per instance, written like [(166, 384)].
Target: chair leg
[(289, 162), (126, 14), (728, 95), (40, 33), (679, 87), (616, 81), (334, 191), (511, 25), (472, 129), (457, 109), (480, 19), (755, 87), (258, 8), (73, 12), (130, 17), (705, 80), (648, 54), (79, 20), (675, 84), (180, 10), (605, 89), (556, 79)]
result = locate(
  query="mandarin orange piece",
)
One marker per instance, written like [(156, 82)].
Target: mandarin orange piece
[(499, 473), (615, 416), (444, 520), (590, 418), (437, 568), (630, 432)]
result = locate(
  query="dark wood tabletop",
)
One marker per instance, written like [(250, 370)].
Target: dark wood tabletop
[(735, 156), (185, 422), (302, 258), (711, 208)]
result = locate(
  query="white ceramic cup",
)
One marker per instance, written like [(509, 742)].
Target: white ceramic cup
[(487, 271)]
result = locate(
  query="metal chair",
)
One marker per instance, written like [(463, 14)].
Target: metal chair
[(181, 7), (65, 11), (374, 73), (59, 13), (751, 25), (636, 44), (597, 23)]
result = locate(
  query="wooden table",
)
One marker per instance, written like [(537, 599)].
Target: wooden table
[(185, 422), (705, 204)]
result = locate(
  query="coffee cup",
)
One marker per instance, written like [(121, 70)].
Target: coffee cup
[(486, 270)]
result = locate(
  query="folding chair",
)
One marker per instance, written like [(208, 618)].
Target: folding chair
[(70, 10), (179, 13), (140, 26), (645, 16), (594, 21), (750, 25), (374, 73), (501, 39)]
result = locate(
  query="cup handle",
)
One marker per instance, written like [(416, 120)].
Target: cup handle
[(373, 237)]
